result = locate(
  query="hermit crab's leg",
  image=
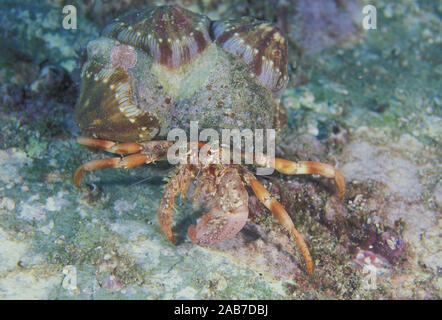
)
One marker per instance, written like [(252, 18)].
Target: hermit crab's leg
[(278, 210), (130, 161), (312, 167), (228, 216), (304, 167), (177, 184), (149, 152), (110, 146)]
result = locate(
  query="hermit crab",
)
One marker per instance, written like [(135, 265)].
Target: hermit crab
[(160, 69)]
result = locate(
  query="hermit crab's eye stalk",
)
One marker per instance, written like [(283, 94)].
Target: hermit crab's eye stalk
[(260, 45), (171, 35)]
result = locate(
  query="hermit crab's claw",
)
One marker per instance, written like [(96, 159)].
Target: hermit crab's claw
[(227, 217), (177, 184), (218, 225)]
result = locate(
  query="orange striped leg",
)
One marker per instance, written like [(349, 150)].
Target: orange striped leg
[(304, 167), (278, 210), (312, 167), (130, 161), (110, 146)]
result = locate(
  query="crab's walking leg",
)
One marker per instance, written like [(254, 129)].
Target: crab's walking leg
[(150, 152), (130, 161), (110, 146), (177, 184), (312, 167), (304, 167), (278, 210)]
